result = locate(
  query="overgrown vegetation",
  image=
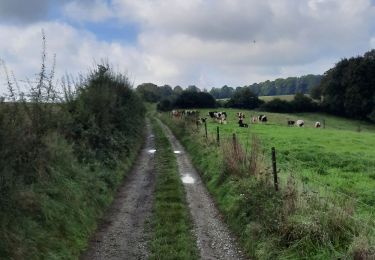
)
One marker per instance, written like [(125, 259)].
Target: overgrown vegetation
[(348, 89), (244, 98), (298, 222), (61, 159), (300, 103), (172, 228)]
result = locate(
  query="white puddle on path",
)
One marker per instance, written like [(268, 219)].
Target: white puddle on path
[(177, 152), (188, 179), (151, 151)]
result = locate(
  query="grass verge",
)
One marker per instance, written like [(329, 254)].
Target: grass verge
[(172, 227), (273, 225)]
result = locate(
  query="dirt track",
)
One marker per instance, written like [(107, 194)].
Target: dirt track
[(124, 233), (214, 238)]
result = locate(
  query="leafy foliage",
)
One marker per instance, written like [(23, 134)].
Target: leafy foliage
[(300, 103), (61, 160), (106, 117), (244, 98), (192, 99), (348, 89)]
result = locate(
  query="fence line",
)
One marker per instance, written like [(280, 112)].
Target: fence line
[(329, 191)]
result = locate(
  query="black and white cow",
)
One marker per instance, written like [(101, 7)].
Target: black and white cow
[(317, 124), (291, 122), (262, 118), (300, 123), (221, 117)]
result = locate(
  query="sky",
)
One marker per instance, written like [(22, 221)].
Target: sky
[(207, 43)]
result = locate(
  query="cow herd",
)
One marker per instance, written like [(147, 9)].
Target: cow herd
[(221, 118)]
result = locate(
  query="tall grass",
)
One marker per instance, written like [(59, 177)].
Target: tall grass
[(62, 159), (293, 223)]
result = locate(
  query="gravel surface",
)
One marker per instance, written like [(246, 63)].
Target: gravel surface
[(124, 233), (213, 237)]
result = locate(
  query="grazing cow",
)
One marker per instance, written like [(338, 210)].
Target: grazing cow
[(221, 117), (212, 114), (291, 122), (300, 123), (262, 118), (241, 123), (177, 113), (317, 124), (192, 112), (240, 115)]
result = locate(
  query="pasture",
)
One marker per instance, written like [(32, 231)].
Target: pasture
[(340, 158), (282, 97)]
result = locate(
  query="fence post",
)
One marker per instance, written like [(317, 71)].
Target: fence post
[(234, 143), (217, 136), (274, 169), (205, 128)]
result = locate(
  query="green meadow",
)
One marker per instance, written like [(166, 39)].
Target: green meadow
[(339, 158), (324, 208)]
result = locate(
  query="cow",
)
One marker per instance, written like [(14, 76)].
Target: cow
[(254, 119), (221, 117), (300, 123), (212, 114), (317, 124), (177, 113), (242, 124), (192, 112), (262, 118), (291, 122), (240, 115)]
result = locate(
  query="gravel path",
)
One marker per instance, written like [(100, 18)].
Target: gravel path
[(124, 233), (214, 239)]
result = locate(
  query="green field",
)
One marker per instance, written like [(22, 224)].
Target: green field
[(341, 156), (282, 97), (324, 208)]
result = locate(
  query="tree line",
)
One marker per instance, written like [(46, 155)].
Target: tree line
[(347, 89)]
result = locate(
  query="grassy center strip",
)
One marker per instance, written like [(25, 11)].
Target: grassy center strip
[(172, 236)]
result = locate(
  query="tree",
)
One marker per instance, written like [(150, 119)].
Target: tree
[(348, 89), (244, 98), (177, 90), (193, 88), (189, 99), (149, 92)]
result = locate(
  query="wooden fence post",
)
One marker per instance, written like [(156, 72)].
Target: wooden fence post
[(205, 128), (217, 136), (234, 143), (274, 169)]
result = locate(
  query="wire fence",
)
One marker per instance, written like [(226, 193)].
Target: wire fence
[(330, 198)]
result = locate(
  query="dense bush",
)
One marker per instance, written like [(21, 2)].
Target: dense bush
[(61, 160), (300, 103), (190, 99), (348, 89), (277, 105), (244, 98), (106, 117)]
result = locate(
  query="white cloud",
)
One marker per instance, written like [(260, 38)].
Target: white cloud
[(203, 42), (92, 11)]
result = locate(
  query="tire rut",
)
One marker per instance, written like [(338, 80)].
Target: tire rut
[(124, 234), (214, 240)]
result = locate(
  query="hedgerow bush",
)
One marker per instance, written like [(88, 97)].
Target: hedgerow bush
[(62, 158)]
